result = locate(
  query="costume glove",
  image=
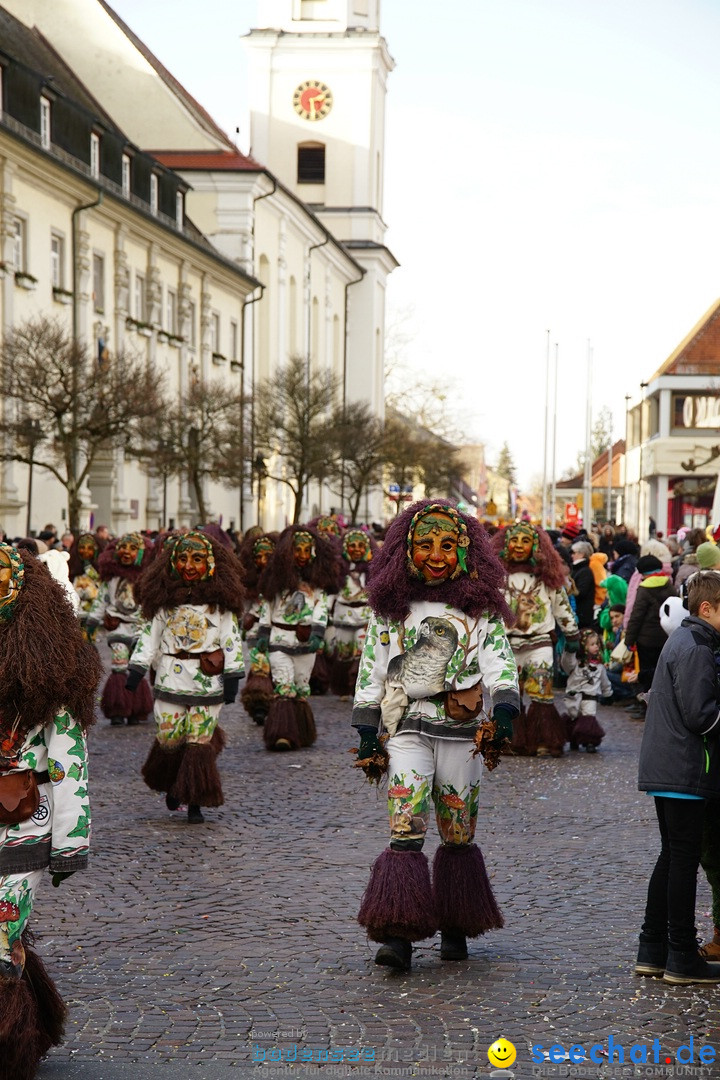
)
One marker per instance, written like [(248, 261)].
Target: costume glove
[(60, 876), (502, 718), (369, 744), (230, 688), (572, 646), (133, 679), (262, 644), (315, 643)]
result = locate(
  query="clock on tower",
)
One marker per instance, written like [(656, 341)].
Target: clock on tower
[(312, 100)]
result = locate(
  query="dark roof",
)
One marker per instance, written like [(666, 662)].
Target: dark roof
[(204, 160), (27, 46)]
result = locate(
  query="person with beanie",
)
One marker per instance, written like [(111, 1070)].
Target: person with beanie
[(626, 554), (661, 552), (584, 583), (435, 649), (708, 556), (644, 630)]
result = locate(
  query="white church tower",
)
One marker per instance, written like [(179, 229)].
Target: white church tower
[(318, 74)]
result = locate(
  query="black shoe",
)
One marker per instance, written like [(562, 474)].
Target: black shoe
[(172, 803), (453, 945), (195, 815), (590, 749), (133, 720), (395, 953), (651, 958), (685, 966), (117, 721), (259, 717)]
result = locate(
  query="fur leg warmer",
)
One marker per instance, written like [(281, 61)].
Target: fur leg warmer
[(305, 721), (320, 676), (198, 779), (282, 724), (21, 1041), (398, 901), (546, 727), (161, 766), (51, 1009), (141, 704), (462, 894), (219, 740), (257, 694)]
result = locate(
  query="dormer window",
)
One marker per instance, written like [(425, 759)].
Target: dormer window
[(153, 193), (94, 155), (126, 175), (45, 117)]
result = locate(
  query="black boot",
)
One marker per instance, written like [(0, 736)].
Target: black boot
[(685, 966), (171, 802), (117, 721), (453, 945), (195, 816), (395, 953), (651, 957)]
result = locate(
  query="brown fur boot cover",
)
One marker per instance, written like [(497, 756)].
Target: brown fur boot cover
[(161, 767), (257, 694), (306, 722), (398, 900), (51, 1009), (219, 740), (282, 723), (198, 779), (320, 676), (142, 701), (21, 1041), (463, 896), (548, 727), (521, 737), (116, 700)]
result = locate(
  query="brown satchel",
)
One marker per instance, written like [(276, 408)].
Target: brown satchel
[(464, 705), (212, 663), (302, 633), (19, 797), (110, 622)]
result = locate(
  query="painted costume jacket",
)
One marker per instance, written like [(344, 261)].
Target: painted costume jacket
[(292, 618), (87, 586), (58, 833), (589, 679), (116, 598), (351, 608), (537, 609), (437, 648), (173, 633)]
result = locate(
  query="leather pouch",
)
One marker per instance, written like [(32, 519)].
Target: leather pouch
[(19, 797), (249, 621), (110, 622), (212, 663), (302, 633), (464, 705)]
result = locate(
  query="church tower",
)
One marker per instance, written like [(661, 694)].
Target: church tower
[(318, 79)]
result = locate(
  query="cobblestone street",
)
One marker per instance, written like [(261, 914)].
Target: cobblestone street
[(191, 947)]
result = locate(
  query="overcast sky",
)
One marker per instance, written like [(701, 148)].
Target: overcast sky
[(550, 165)]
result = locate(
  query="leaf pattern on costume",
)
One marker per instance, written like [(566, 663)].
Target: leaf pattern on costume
[(76, 771), (205, 681), (82, 827), (31, 759)]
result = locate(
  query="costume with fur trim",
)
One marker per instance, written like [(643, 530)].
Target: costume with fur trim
[(116, 606), (426, 637), (48, 680), (350, 612), (538, 601), (255, 552), (85, 579), (185, 621), (587, 682), (292, 628)]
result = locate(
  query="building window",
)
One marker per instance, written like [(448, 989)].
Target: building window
[(94, 154), (311, 163), (99, 283), (140, 298), (57, 261), (153, 194), (20, 245), (126, 175), (215, 332), (179, 210), (45, 123), (171, 312), (233, 340)]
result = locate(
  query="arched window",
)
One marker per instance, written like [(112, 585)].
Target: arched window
[(311, 163)]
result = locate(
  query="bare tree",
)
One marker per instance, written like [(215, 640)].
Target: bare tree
[(200, 437), (293, 412), (55, 386), (357, 438)]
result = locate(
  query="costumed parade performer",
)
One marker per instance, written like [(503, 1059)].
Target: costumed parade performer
[(350, 611), (48, 680), (254, 555), (329, 531), (303, 570), (587, 684), (435, 640), (85, 579), (116, 608), (537, 599), (191, 598)]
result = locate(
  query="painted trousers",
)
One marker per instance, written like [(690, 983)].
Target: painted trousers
[(179, 724), (17, 894), (291, 673), (535, 671), (425, 772)]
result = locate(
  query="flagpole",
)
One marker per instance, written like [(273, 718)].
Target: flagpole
[(545, 440), (553, 489), (587, 496)]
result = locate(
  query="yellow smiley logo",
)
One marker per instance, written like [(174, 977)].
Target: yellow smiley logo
[(502, 1054)]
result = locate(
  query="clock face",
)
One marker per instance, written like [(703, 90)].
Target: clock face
[(312, 100)]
